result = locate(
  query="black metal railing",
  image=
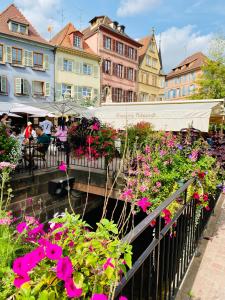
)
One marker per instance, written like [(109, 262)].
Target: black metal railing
[(158, 271), (39, 157)]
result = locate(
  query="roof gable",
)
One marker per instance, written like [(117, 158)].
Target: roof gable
[(12, 13), (63, 39)]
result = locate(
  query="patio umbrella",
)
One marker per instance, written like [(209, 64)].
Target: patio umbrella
[(21, 108), (10, 114), (63, 108)]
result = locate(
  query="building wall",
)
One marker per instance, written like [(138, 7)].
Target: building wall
[(76, 78), (150, 82), (108, 80), (182, 86), (27, 72)]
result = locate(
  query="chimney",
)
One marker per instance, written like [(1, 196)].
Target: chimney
[(115, 23), (122, 28)]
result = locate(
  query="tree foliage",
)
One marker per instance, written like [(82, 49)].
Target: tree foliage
[(212, 82)]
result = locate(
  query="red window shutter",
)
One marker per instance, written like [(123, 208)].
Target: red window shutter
[(113, 94), (125, 73), (126, 51), (113, 45), (135, 75), (103, 66), (114, 69), (104, 41), (135, 54)]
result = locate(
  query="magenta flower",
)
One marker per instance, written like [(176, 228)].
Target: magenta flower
[(95, 126), (128, 194), (144, 203), (71, 289), (20, 280), (108, 264), (123, 298), (36, 231), (158, 184), (19, 267), (29, 261), (21, 227), (63, 167), (38, 254), (99, 297), (64, 268), (53, 251)]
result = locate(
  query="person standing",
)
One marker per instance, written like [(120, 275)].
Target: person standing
[(3, 119), (47, 126), (28, 131)]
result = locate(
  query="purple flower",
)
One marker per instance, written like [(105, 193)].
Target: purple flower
[(71, 289), (64, 268), (144, 203), (53, 251)]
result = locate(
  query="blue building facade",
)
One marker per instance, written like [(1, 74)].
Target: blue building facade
[(26, 61)]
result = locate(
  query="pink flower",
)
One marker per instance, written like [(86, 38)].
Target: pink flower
[(38, 254), (36, 231), (205, 197), (20, 280), (207, 208), (19, 267), (5, 221), (123, 298), (99, 297), (53, 251), (144, 203), (158, 184), (95, 126), (71, 289), (64, 268), (143, 188), (196, 196), (128, 194), (21, 227), (108, 264), (147, 149), (63, 167)]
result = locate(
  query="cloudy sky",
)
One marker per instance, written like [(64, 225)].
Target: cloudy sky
[(186, 26)]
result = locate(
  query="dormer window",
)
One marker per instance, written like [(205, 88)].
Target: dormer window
[(77, 41), (17, 27)]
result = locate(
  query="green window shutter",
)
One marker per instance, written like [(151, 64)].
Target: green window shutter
[(25, 87), (18, 86), (28, 58), (46, 61), (96, 71), (60, 64), (47, 89), (77, 67), (3, 79), (58, 88), (8, 54)]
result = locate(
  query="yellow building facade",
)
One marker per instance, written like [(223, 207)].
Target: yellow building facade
[(77, 68), (151, 80)]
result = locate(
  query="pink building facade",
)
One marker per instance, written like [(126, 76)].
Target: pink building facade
[(119, 64)]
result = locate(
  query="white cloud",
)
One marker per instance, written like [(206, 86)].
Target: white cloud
[(41, 13), (178, 43), (133, 7)]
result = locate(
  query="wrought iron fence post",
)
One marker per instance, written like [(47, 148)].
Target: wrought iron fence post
[(157, 256), (30, 157)]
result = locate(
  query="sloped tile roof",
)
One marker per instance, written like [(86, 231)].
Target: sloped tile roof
[(142, 51), (14, 14), (193, 62), (62, 39)]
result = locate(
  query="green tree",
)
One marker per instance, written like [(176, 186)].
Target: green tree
[(212, 82)]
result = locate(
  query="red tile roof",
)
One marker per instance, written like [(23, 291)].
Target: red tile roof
[(145, 42), (193, 62), (14, 14), (62, 38)]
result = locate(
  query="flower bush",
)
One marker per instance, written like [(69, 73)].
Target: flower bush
[(9, 147), (92, 139), (161, 165), (67, 260)]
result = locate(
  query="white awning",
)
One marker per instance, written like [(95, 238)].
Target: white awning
[(162, 115)]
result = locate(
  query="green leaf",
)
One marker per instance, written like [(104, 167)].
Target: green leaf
[(128, 259)]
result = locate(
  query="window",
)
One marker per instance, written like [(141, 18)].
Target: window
[(193, 76), (1, 53), (87, 69), (154, 80), (38, 88), (119, 71), (16, 56), (130, 74), (77, 41), (21, 86), (107, 66), (119, 48), (154, 63), (86, 92), (117, 95), (183, 91), (144, 97), (129, 96), (3, 85), (152, 46), (162, 83), (66, 90), (38, 60), (107, 43), (20, 28), (148, 60), (131, 53), (178, 93), (67, 65)]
